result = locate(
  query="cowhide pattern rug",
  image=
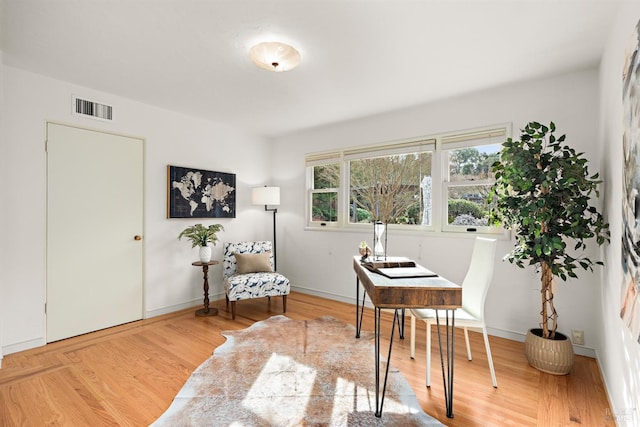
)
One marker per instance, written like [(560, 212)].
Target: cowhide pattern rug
[(283, 372)]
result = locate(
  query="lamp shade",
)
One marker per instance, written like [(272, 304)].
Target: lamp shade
[(265, 195), (274, 56)]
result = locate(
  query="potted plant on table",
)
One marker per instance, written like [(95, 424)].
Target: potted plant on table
[(201, 236), (542, 192)]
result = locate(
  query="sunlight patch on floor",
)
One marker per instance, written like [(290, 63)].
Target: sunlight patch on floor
[(281, 392), (350, 398)]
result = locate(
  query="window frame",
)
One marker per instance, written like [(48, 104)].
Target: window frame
[(405, 147), (439, 145), (322, 159), (460, 140)]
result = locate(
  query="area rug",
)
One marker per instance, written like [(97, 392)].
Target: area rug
[(282, 372)]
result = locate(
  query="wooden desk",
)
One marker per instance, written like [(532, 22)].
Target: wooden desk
[(206, 311), (419, 292)]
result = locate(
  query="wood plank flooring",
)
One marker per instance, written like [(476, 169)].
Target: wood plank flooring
[(129, 374)]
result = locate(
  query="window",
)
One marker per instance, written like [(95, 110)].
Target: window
[(393, 188), (323, 174), (438, 183), (324, 195), (468, 178)]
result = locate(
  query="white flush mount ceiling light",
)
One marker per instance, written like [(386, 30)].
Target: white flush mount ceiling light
[(274, 56)]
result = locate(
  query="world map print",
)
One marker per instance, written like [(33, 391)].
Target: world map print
[(198, 193)]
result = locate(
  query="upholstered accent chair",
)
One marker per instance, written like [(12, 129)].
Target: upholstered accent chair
[(248, 273)]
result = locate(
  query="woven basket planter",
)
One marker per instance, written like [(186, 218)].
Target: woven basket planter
[(553, 356)]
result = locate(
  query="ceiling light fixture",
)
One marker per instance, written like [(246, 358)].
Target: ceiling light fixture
[(274, 56)]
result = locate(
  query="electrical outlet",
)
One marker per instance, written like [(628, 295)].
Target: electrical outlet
[(578, 336)]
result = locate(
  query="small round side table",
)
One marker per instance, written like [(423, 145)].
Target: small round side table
[(206, 311)]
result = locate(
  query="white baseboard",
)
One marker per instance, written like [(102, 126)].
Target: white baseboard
[(171, 308), (182, 306), (501, 333), (327, 295), (519, 336), (21, 346), (39, 342)]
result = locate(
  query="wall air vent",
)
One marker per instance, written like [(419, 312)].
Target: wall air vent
[(92, 109)]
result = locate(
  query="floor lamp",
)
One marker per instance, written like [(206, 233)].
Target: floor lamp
[(268, 196)]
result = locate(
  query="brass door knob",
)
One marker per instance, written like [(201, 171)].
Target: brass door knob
[(137, 237)]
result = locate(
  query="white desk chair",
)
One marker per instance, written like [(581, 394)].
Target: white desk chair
[(471, 315)]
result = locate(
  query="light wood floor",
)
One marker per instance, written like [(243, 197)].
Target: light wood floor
[(129, 374)]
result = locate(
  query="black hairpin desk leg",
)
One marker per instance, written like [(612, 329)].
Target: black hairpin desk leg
[(447, 375), (401, 324), (377, 321), (359, 309)]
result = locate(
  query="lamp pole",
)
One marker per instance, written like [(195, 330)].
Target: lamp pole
[(275, 253), (268, 196)]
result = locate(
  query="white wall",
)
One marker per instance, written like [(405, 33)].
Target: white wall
[(618, 352), (2, 205), (320, 261), (171, 282)]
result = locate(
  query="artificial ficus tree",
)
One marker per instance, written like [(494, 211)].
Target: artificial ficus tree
[(543, 192)]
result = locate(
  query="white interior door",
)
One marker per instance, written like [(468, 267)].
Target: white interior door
[(94, 230)]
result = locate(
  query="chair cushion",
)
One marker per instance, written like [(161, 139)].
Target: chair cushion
[(255, 285), (428, 313), (463, 319), (253, 263), (229, 260)]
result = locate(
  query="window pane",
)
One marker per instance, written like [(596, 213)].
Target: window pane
[(395, 189), (472, 163), (324, 207), (467, 205), (326, 176)]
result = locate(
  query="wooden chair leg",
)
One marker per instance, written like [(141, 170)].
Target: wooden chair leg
[(284, 303), (227, 298), (233, 310)]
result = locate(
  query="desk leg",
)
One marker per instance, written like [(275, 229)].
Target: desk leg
[(447, 378), (401, 325), (377, 328), (357, 306), (360, 313), (359, 310)]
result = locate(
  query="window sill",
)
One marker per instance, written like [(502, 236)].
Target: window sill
[(502, 235)]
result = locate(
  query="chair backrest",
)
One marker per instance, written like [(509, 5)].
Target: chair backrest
[(229, 261), (478, 279)]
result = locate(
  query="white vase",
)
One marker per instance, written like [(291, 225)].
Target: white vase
[(378, 248), (205, 253)]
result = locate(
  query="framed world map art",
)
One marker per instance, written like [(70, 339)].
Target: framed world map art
[(198, 193)]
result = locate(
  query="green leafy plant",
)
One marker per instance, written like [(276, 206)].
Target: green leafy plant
[(542, 192), (459, 207), (201, 235)]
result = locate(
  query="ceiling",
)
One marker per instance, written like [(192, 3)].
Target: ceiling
[(359, 57)]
